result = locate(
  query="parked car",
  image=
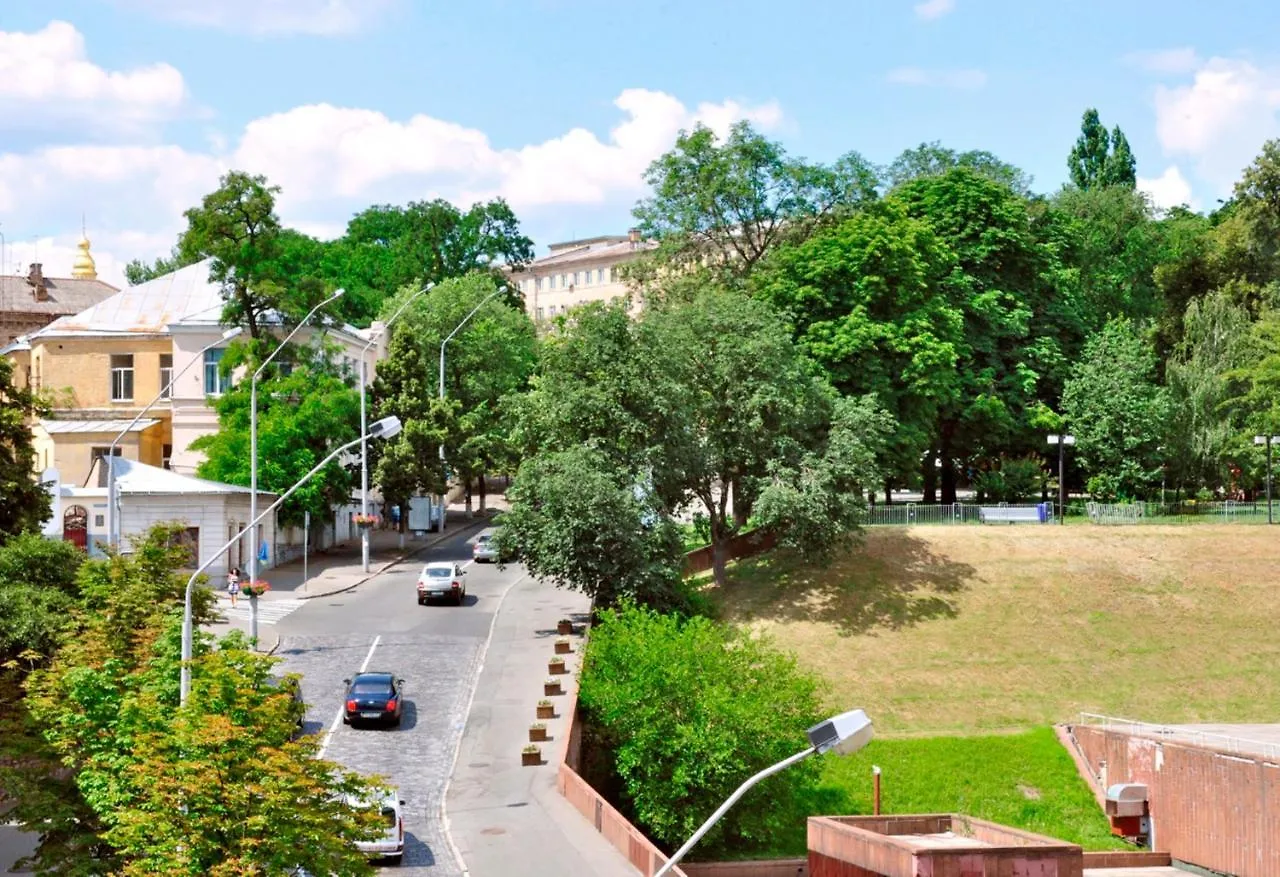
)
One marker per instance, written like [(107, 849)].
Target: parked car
[(442, 580), (298, 708), (391, 844), (374, 697)]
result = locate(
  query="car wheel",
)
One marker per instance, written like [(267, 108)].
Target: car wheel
[(394, 861), (422, 601), (345, 719), (395, 721)]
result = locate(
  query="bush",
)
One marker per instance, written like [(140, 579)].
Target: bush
[(32, 619), (1018, 479), (31, 559), (690, 709)]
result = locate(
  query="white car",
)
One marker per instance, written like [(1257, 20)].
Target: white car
[(484, 549), (442, 580), (391, 844)]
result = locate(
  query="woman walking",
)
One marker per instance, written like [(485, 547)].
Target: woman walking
[(233, 583)]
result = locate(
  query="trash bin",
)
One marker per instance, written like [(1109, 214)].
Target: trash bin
[(1044, 512)]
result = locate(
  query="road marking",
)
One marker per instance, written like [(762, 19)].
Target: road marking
[(337, 720), (457, 750), (269, 611)]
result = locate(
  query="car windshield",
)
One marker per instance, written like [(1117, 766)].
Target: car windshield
[(484, 538), (439, 573), (389, 817), (371, 688)]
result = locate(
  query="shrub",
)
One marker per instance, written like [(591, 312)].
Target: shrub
[(31, 559), (690, 709)]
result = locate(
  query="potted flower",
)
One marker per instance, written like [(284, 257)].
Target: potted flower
[(564, 627), (537, 732), (562, 646), (551, 687), (546, 709), (531, 756), (364, 522), (255, 588), (556, 666)]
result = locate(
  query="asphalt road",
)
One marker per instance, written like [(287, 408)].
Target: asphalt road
[(436, 649)]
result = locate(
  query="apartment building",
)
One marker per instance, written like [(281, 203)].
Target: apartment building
[(578, 271)]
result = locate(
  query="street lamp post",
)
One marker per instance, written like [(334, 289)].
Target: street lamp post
[(113, 513), (844, 734), (1267, 440), (253, 460), (364, 449), (384, 428), (1062, 441), (456, 329)]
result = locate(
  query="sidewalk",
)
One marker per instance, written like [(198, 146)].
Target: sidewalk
[(504, 818), (340, 568)]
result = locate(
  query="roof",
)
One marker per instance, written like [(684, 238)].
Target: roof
[(148, 308), (591, 251), (136, 478), (65, 427), (66, 295)]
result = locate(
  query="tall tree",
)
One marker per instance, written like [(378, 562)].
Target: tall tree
[(1099, 158), (27, 504), (934, 159), (731, 201)]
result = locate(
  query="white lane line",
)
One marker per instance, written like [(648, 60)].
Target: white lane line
[(457, 750), (337, 720)]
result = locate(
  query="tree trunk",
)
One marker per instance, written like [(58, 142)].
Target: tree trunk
[(888, 492), (948, 466), (484, 490), (719, 561), (929, 473), (466, 493), (741, 506)]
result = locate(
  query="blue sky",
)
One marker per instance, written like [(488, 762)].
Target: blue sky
[(128, 110)]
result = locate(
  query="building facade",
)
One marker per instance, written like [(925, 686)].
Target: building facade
[(578, 271), (34, 301)]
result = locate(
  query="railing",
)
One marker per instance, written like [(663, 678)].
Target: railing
[(1225, 742), (1228, 512), (909, 514)]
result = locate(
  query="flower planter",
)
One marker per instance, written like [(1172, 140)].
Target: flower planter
[(564, 627), (563, 647), (547, 711), (557, 668), (537, 733), (551, 687), (531, 756)]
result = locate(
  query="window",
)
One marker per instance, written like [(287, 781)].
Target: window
[(551, 281), (166, 454), (96, 454), (99, 521), (166, 374), (215, 382), (610, 275), (540, 313), (599, 275), (122, 377), (188, 539), (577, 278), (564, 281)]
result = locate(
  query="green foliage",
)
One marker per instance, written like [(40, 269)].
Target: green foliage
[(1098, 159), (1116, 410), (1014, 480), (26, 502), (690, 709), (31, 559), (32, 620), (935, 160)]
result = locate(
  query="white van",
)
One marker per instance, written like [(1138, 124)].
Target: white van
[(391, 844)]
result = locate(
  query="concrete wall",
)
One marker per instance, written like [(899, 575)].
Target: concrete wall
[(1213, 809)]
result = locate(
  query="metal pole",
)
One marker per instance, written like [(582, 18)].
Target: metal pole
[(306, 536), (724, 808), (1062, 484), (364, 467), (875, 792), (1268, 478)]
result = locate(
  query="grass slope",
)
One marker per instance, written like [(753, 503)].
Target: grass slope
[(967, 630)]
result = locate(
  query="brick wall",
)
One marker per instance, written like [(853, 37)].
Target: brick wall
[(1212, 809), (747, 544)]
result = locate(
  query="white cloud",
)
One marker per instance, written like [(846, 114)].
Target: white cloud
[(270, 17), (1221, 118), (1180, 60), (931, 10), (960, 79), (1170, 189), (47, 80)]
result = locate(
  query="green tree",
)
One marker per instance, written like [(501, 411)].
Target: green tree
[(732, 201), (934, 160), (1101, 159), (31, 559), (1117, 412), (689, 708), (27, 503), (138, 271)]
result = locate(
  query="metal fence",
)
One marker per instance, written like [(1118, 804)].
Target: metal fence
[(1193, 736), (1189, 512)]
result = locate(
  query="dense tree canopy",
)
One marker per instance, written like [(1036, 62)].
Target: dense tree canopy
[(26, 502)]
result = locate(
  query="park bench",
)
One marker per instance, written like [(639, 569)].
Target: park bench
[(1018, 515)]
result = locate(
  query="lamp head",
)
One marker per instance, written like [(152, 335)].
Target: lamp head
[(1259, 439), (232, 333), (845, 733), (385, 428), (337, 293)]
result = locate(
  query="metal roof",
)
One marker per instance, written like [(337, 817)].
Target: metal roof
[(139, 478), (148, 308), (65, 427)]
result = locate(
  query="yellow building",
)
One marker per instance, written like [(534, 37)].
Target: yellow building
[(578, 271)]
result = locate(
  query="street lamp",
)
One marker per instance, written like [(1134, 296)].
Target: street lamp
[(364, 450), (445, 472), (384, 428), (1062, 441), (253, 458), (113, 522), (1267, 440), (845, 734)]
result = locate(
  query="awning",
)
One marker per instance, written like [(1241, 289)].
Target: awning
[(93, 427)]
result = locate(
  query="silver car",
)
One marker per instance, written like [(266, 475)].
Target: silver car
[(485, 550), (391, 844)]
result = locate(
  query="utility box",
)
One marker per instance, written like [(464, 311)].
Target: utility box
[(1129, 810)]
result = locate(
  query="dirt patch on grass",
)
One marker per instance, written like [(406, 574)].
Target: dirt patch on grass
[(967, 629)]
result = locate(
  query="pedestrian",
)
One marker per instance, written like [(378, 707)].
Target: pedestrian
[(233, 583)]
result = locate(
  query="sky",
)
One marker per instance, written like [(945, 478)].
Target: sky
[(124, 113)]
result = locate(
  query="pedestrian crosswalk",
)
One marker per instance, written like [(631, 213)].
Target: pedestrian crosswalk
[(269, 611)]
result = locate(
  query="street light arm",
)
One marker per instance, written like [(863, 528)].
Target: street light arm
[(729, 802), (285, 343), (400, 310), (458, 328)]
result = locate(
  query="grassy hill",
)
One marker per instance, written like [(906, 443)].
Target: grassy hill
[(971, 630)]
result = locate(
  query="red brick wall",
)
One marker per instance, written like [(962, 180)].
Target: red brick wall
[(747, 544), (1213, 809)]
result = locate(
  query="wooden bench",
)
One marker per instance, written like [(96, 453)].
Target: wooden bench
[(1021, 515)]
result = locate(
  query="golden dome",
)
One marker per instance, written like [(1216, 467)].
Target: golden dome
[(84, 267)]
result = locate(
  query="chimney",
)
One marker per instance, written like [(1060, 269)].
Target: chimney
[(35, 279), (633, 235)]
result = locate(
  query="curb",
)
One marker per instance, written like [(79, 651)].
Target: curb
[(430, 543)]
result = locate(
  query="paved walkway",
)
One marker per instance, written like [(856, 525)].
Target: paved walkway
[(504, 818)]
